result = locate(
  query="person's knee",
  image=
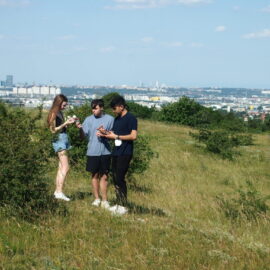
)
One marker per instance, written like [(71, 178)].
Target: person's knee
[(95, 176), (65, 169), (104, 177)]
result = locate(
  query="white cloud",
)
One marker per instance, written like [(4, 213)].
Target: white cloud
[(14, 3), (144, 4), (175, 44), (66, 37), (196, 45), (107, 49), (220, 28), (263, 34), (266, 9), (147, 39)]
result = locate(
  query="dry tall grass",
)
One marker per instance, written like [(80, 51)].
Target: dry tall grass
[(176, 222)]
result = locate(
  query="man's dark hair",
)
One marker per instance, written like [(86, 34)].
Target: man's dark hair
[(118, 101), (96, 102)]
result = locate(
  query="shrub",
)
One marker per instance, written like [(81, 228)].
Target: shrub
[(222, 142), (77, 153), (249, 203), (23, 185), (141, 157), (231, 122), (141, 111), (243, 140), (186, 111)]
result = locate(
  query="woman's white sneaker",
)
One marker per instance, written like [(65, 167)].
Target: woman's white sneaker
[(105, 204), (61, 196), (96, 202)]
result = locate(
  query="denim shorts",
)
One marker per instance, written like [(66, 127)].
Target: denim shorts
[(62, 143)]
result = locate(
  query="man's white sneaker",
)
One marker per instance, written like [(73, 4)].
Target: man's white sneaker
[(113, 209), (118, 210), (121, 210), (61, 196), (96, 202), (105, 204)]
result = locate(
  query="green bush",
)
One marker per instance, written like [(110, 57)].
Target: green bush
[(231, 122), (141, 111), (243, 140), (222, 142), (186, 112), (249, 204), (77, 154), (141, 157), (23, 185)]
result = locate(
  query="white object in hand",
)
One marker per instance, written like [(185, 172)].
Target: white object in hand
[(117, 142), (76, 118)]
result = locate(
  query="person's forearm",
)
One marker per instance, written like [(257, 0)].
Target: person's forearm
[(130, 137), (56, 129)]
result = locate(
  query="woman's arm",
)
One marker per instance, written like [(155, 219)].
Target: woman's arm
[(55, 129)]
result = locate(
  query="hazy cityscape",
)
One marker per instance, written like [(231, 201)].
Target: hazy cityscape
[(252, 102)]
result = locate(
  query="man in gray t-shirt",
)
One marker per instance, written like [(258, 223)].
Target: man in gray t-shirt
[(98, 150)]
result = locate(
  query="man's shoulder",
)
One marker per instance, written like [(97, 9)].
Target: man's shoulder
[(131, 116), (108, 117), (88, 119)]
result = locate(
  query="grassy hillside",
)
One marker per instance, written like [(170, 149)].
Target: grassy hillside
[(175, 222)]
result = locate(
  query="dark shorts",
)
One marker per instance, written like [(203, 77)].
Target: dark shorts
[(98, 164)]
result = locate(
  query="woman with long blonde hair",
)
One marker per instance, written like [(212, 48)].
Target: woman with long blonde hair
[(57, 124)]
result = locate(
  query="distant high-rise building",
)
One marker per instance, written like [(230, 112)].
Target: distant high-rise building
[(3, 83), (9, 81)]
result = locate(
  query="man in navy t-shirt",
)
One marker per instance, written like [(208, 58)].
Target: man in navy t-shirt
[(124, 132)]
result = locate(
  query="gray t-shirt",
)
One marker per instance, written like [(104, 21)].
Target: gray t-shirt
[(97, 146)]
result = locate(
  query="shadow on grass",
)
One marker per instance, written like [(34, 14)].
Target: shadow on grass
[(80, 195), (140, 209)]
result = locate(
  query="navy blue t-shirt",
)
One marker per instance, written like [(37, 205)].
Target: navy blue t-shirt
[(123, 126)]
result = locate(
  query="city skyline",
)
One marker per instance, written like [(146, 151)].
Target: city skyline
[(189, 43)]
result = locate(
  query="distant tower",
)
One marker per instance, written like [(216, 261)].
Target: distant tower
[(9, 81)]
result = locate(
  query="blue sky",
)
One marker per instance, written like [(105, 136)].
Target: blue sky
[(192, 43)]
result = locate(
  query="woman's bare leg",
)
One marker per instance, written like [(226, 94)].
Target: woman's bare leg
[(62, 170)]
